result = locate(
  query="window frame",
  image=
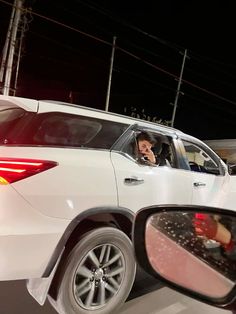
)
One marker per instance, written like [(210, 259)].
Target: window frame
[(206, 149), (127, 137)]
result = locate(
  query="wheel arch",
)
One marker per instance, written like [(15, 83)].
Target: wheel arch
[(119, 217)]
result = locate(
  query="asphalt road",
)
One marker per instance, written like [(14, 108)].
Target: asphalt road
[(147, 297), (15, 299)]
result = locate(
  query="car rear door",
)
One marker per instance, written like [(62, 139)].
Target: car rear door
[(140, 185)]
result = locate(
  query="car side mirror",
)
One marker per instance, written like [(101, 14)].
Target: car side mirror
[(192, 249)]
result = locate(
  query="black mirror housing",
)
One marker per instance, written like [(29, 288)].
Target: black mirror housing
[(191, 249)]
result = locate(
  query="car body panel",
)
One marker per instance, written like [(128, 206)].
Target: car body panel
[(153, 188), (84, 179), (229, 193), (210, 189), (27, 238), (24, 103)]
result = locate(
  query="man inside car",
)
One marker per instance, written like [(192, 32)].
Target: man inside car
[(145, 142)]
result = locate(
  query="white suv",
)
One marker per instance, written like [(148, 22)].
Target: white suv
[(70, 185)]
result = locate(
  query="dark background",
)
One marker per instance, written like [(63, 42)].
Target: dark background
[(61, 63)]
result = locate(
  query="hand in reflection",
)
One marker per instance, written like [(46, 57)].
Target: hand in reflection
[(210, 227), (205, 225)]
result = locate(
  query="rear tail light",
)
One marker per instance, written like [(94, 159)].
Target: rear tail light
[(15, 169)]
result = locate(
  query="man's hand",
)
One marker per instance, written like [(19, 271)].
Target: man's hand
[(205, 225), (150, 155)]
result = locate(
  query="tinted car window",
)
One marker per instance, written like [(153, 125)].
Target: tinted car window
[(9, 118), (60, 129)]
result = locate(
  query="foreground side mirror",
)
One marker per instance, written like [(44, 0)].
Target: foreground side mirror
[(191, 249)]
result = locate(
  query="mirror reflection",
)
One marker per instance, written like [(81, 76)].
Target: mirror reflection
[(195, 250)]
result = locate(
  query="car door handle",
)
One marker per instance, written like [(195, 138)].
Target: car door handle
[(199, 184), (133, 181)]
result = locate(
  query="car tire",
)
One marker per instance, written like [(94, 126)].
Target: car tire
[(98, 275)]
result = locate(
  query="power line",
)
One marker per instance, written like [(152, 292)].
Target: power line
[(206, 77), (135, 28), (125, 41), (211, 66), (174, 76), (68, 47), (164, 42), (61, 24), (211, 60), (108, 13), (141, 48), (103, 62), (200, 100), (209, 92)]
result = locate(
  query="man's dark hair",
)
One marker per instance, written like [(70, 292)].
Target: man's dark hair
[(146, 136)]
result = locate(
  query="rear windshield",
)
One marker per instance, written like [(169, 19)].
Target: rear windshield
[(9, 119), (68, 130)]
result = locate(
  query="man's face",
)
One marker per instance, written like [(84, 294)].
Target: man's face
[(144, 146)]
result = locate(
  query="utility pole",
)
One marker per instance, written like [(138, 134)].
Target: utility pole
[(6, 46), (110, 73), (22, 33), (178, 89), (12, 46)]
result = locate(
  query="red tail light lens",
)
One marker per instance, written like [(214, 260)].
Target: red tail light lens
[(15, 169)]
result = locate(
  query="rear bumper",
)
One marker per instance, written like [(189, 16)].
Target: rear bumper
[(27, 238), (25, 256)]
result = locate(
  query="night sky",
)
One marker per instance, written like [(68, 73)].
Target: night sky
[(59, 62)]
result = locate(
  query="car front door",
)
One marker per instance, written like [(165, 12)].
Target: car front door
[(209, 180), (140, 184)]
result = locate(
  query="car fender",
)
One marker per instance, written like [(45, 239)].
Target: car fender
[(39, 287)]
